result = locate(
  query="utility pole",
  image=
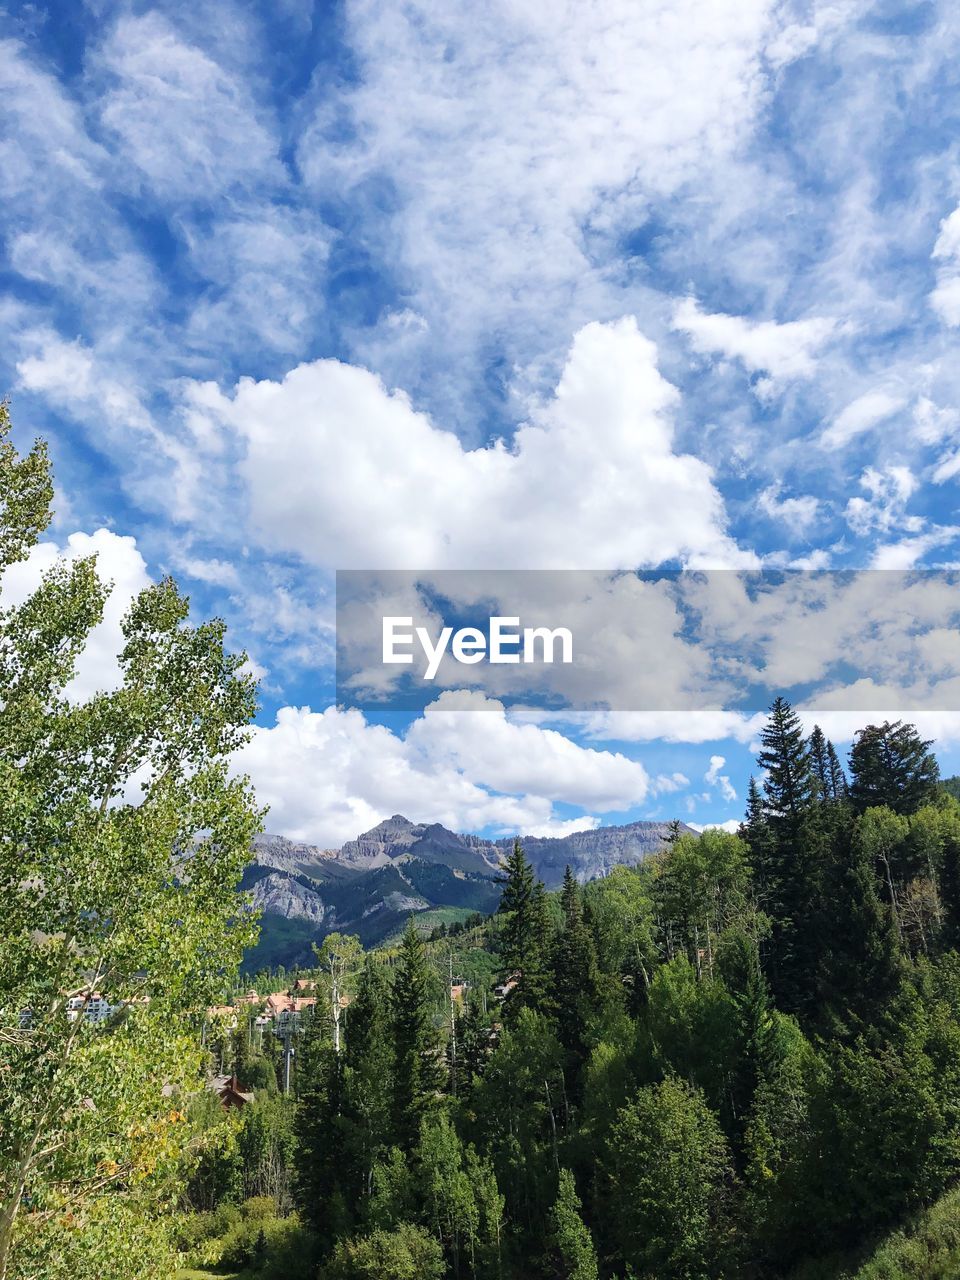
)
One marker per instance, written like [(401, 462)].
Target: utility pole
[(453, 1028), (288, 1052)]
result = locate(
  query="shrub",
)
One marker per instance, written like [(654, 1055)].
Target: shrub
[(406, 1253)]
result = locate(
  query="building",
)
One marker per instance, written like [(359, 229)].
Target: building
[(227, 1089), (90, 1005)]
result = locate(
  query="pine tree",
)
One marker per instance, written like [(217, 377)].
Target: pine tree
[(789, 784), (319, 1156), (890, 764), (418, 1063), (738, 962), (820, 764), (525, 932), (757, 834), (792, 879), (839, 788), (368, 1078), (574, 970), (860, 962)]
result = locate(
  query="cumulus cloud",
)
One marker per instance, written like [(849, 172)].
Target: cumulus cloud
[(784, 351), (798, 514), (714, 778), (730, 825), (329, 775), (347, 474), (888, 491)]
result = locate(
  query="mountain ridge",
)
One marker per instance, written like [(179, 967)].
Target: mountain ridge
[(374, 881)]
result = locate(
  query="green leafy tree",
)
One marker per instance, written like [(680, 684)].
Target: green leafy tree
[(462, 1205), (265, 1143), (572, 1254), (663, 1182), (135, 901), (521, 1114), (339, 955)]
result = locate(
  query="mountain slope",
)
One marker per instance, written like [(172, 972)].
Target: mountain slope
[(370, 885)]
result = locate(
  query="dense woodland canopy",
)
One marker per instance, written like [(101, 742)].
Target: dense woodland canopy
[(741, 1059)]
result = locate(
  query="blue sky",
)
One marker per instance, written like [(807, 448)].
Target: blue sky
[(294, 287)]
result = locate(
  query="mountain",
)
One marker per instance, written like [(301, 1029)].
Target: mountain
[(374, 882)]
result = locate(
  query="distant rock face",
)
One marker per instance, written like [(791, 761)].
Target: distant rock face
[(398, 837), (281, 895), (593, 854), (370, 885), (292, 856)]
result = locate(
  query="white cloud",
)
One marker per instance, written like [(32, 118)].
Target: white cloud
[(509, 138), (909, 551), (472, 734), (693, 726), (785, 351), (189, 126), (329, 775), (346, 474), (861, 415), (714, 778), (888, 492), (798, 514), (69, 374), (945, 298), (730, 825)]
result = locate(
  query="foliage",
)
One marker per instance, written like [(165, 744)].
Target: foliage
[(136, 901), (405, 1253)]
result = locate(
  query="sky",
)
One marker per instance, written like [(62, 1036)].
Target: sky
[(294, 287)]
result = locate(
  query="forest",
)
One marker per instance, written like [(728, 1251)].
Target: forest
[(740, 1060)]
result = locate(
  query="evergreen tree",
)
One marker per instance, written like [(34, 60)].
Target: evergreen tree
[(798, 840), (418, 1064), (820, 764), (319, 1157), (890, 764), (525, 932), (574, 971), (839, 787), (368, 1079), (738, 962), (757, 834), (789, 786), (860, 965)]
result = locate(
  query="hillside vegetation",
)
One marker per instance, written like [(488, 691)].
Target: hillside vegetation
[(738, 1059)]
